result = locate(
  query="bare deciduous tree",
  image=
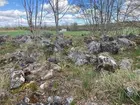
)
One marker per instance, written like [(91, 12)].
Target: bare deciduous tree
[(58, 11), (33, 13), (98, 13)]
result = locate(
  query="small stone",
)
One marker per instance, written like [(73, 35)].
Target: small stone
[(79, 57), (69, 100), (50, 99), (44, 85), (94, 47), (137, 71), (57, 100), (17, 79), (56, 67), (130, 91), (53, 60), (29, 60), (126, 64), (49, 75), (26, 100)]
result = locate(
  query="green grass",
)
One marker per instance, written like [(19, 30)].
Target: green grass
[(24, 32), (8, 48), (126, 30), (133, 54), (104, 86), (14, 32)]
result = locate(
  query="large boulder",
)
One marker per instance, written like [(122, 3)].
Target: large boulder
[(23, 58), (111, 47), (61, 43), (17, 78), (126, 64), (105, 62), (126, 43), (94, 47), (78, 57), (2, 39)]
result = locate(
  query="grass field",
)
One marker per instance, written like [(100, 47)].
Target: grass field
[(125, 31), (13, 32), (83, 81), (25, 32)]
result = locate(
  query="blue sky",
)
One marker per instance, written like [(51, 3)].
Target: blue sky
[(12, 14), (12, 4)]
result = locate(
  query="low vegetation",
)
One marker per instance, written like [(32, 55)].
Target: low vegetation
[(83, 82)]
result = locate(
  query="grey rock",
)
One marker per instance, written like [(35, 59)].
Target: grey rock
[(49, 49), (94, 47), (55, 67), (126, 64), (130, 91), (62, 43), (49, 75), (2, 39), (69, 100), (29, 60), (53, 60), (124, 42), (44, 86), (26, 100), (91, 59), (50, 99), (111, 47), (17, 78), (78, 57), (46, 42), (106, 62), (81, 60), (58, 99), (137, 71)]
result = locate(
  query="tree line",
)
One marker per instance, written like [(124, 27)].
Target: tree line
[(95, 13)]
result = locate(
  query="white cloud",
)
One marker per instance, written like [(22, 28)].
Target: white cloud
[(12, 18), (3, 2), (63, 6), (17, 17), (12, 13)]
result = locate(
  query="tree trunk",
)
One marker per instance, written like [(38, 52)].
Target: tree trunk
[(57, 25), (57, 17)]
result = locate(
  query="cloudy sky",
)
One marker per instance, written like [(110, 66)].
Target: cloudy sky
[(12, 14)]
